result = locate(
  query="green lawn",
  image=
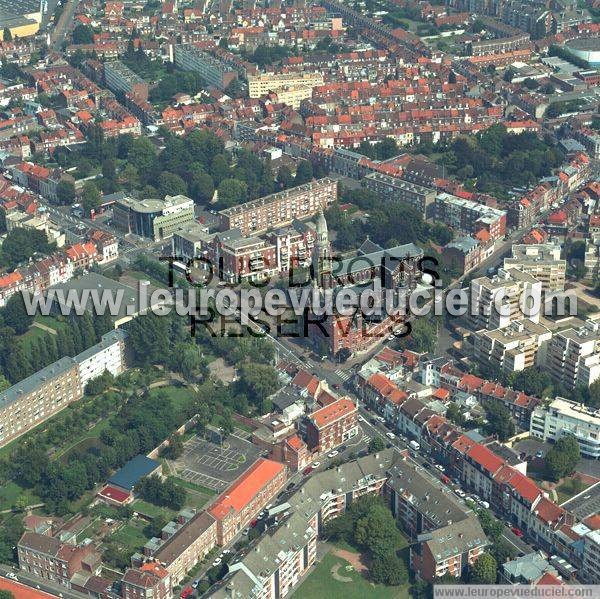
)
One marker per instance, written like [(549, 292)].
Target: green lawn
[(130, 536), (321, 583), (180, 396), (151, 510), (11, 491), (192, 486)]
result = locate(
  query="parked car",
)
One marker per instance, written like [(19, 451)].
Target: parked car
[(333, 453), (307, 470), (460, 492), (440, 468), (361, 419), (517, 531), (187, 592), (316, 464), (539, 454), (390, 435)]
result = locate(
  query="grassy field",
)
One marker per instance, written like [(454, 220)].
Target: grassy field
[(151, 510), (321, 583), (130, 536), (11, 491), (180, 396)]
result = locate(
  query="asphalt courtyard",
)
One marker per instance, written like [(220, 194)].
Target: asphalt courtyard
[(210, 465)]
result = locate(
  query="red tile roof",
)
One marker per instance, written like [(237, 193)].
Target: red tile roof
[(20, 591), (486, 458), (245, 488), (114, 494), (548, 512), (339, 409)]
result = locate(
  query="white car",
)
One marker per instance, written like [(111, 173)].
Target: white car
[(390, 435), (440, 468), (484, 504), (216, 562), (11, 575), (361, 419), (316, 464), (333, 453), (460, 492)]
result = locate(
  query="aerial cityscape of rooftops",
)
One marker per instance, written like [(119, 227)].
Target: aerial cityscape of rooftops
[(299, 298)]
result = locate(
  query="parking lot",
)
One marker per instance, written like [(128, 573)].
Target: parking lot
[(210, 465)]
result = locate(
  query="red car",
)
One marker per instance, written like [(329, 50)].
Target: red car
[(307, 470), (187, 592), (517, 531)]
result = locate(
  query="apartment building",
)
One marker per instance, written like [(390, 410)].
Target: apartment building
[(495, 302), (120, 78), (150, 580), (243, 500), (394, 189), (279, 209), (291, 88), (153, 218), (37, 398), (563, 416), (107, 355), (469, 217), (449, 550), (213, 70), (49, 558), (590, 572), (48, 391), (188, 546), (520, 345), (574, 355), (275, 565), (332, 425), (542, 261)]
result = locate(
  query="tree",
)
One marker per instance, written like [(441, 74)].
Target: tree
[(201, 188), (232, 192), (6, 594), (533, 381), (22, 244), (376, 444), (387, 568), (174, 449), (15, 314), (484, 570), (83, 34), (7, 35), (258, 381), (377, 530), (304, 172), (562, 458), (65, 192), (109, 169), (171, 184), (284, 176), (499, 421), (90, 197)]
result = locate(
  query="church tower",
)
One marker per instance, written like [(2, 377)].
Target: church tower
[(321, 257)]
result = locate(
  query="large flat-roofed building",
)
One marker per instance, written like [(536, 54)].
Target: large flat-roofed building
[(153, 218), (291, 88), (542, 261), (243, 500), (495, 301), (107, 355), (276, 564), (520, 345), (37, 398), (398, 190), (563, 417), (45, 393), (213, 70), (281, 208), (574, 356), (120, 78), (189, 545), (21, 17), (469, 217), (332, 425)]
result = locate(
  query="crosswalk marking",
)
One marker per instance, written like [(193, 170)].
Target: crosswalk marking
[(343, 374)]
